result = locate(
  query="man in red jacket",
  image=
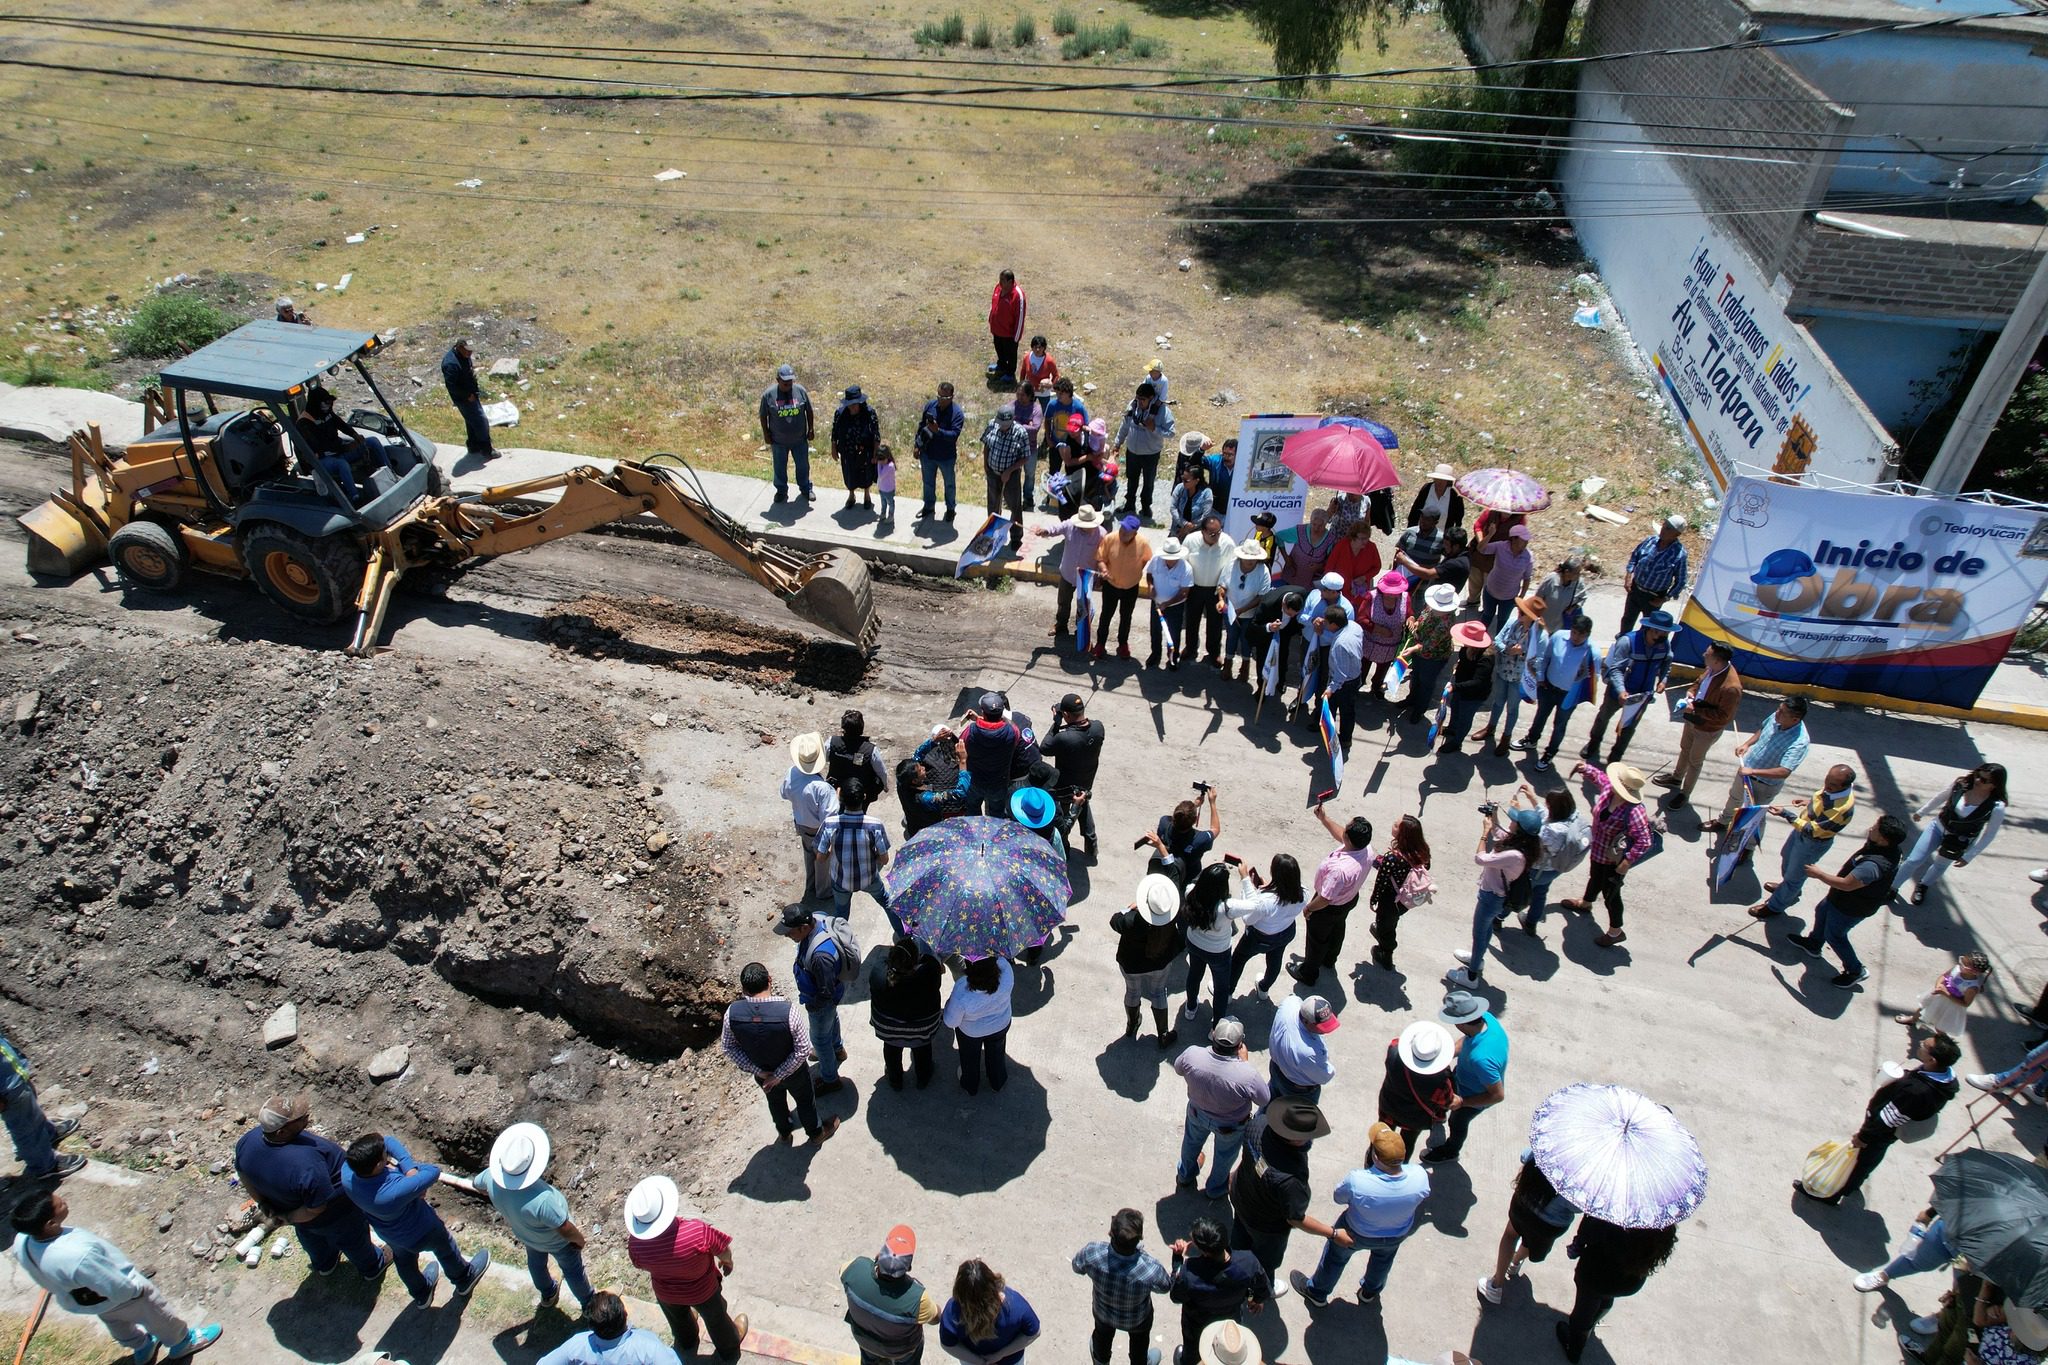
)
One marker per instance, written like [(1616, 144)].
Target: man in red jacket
[(1006, 325)]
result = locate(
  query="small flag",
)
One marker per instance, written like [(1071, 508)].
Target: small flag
[(1633, 711), (1165, 629), (1328, 724), (1581, 690), (981, 548), (1744, 833), (1084, 614), (1396, 686), (1269, 672), (1443, 714), (1229, 611)]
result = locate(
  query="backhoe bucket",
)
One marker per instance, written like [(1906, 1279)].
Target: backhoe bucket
[(838, 597), (62, 542)]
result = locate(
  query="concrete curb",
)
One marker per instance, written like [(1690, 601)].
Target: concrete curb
[(2025, 715)]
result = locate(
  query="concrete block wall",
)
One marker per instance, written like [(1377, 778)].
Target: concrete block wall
[(1782, 124), (1832, 269)]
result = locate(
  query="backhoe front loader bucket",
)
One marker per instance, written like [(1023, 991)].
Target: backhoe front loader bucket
[(838, 597), (64, 540)]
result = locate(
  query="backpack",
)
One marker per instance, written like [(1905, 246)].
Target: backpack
[(840, 931), (1578, 839), (1417, 889)]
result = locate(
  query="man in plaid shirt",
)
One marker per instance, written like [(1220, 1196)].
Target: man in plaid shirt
[(765, 1037), (1621, 839), (853, 848), (1005, 446), (1126, 1277), (1656, 572)]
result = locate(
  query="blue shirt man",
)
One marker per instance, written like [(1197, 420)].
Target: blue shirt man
[(1766, 760), (296, 1174), (819, 989), (610, 1341), (382, 1179), (937, 445), (1656, 571), (458, 376), (1379, 1202), (1480, 1077), (1636, 667)]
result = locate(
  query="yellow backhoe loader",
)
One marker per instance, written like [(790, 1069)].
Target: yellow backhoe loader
[(255, 480)]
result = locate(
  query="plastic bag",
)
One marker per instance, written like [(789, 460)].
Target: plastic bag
[(1827, 1168)]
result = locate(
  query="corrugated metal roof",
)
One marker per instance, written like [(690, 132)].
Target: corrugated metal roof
[(264, 359)]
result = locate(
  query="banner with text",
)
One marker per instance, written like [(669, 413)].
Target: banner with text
[(1263, 484), (1748, 385), (1879, 595)]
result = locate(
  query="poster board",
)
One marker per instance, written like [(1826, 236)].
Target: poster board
[(1263, 484)]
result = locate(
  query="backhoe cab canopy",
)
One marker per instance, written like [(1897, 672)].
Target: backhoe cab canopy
[(267, 361)]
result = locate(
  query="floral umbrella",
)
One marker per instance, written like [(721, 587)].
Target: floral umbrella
[(1504, 490), (1618, 1156), (979, 886), (1340, 457)]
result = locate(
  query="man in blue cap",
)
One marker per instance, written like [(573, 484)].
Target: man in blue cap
[(1635, 669)]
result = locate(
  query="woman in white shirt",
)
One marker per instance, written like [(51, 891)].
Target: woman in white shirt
[(978, 1012), (1966, 819), (1271, 911)]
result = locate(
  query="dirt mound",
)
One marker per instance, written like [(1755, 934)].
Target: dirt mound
[(706, 642), (200, 833)]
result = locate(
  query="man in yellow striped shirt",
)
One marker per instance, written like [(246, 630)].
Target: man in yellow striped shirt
[(1814, 827)]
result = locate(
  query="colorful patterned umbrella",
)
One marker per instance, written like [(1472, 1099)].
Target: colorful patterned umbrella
[(1384, 435), (1618, 1156), (1504, 490), (1340, 457), (979, 886)]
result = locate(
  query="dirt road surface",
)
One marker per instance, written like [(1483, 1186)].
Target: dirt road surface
[(536, 866)]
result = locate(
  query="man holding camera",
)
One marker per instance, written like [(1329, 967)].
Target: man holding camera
[(1075, 748)]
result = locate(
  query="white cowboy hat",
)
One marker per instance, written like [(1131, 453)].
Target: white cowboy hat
[(1088, 516), (1251, 552), (1426, 1047), (1173, 552), (1441, 597), (2028, 1327), (1157, 899), (520, 1156), (1444, 472), (1228, 1343), (652, 1206), (808, 753)]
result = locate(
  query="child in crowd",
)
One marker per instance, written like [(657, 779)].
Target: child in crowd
[(1946, 1008), (885, 483)]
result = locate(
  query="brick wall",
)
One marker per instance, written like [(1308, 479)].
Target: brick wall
[(1832, 269), (1787, 127)]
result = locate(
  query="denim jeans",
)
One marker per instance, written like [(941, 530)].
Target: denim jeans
[(1279, 1083), (1254, 943), (801, 454), (989, 798), (1495, 612), (1216, 966), (440, 1244), (1195, 1133), (341, 1231), (1550, 707), (1832, 927), (1488, 909), (35, 1141), (571, 1261), (1504, 706), (1924, 864), (1800, 849), (842, 901), (1173, 618), (935, 471), (1330, 1269), (1926, 1249), (824, 1021), (476, 428), (2033, 1066), (1539, 897)]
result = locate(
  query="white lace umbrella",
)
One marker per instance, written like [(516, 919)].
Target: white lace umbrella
[(1618, 1156)]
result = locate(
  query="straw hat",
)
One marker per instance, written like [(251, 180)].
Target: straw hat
[(1627, 781), (1228, 1343), (519, 1156), (652, 1207), (1088, 516), (1426, 1047), (1441, 597), (1157, 899), (1173, 552), (1471, 635), (808, 753), (1251, 552)]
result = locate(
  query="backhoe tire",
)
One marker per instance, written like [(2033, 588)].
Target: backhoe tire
[(148, 557), (316, 580)]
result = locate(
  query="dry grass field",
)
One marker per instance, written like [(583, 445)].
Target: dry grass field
[(855, 237)]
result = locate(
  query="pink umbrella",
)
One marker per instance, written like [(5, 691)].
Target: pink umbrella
[(1344, 458), (1504, 490)]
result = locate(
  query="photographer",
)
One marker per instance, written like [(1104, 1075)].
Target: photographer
[(1503, 855), (1564, 835), (1075, 748), (1178, 840)]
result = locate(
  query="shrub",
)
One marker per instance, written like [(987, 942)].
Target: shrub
[(173, 325), (1024, 32), (1065, 22), (984, 34), (1113, 38), (950, 31), (36, 371)]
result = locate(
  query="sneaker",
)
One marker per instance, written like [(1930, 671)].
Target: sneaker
[(1527, 744), (1925, 1327), (1870, 1281), (810, 495), (1809, 946), (196, 1340), (1366, 1297), (1542, 764), (1983, 1081), (1464, 957), (1488, 1290), (552, 1297), (2039, 876), (1848, 980), (63, 1128), (478, 1264), (145, 1354), (1280, 1288), (383, 1264), (1461, 978), (1919, 895), (1307, 1290), (431, 1273), (779, 497), (68, 1165)]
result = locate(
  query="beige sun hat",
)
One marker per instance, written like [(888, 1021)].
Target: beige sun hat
[(1228, 1343), (1088, 516), (808, 753), (1627, 781)]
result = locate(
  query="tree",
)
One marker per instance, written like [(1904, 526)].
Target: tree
[(1311, 36)]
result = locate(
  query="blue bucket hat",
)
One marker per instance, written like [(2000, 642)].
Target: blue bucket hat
[(1033, 807)]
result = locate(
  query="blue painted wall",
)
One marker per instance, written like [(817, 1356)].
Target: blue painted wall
[(1884, 358)]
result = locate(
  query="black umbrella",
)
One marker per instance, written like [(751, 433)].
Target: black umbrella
[(1994, 1209)]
